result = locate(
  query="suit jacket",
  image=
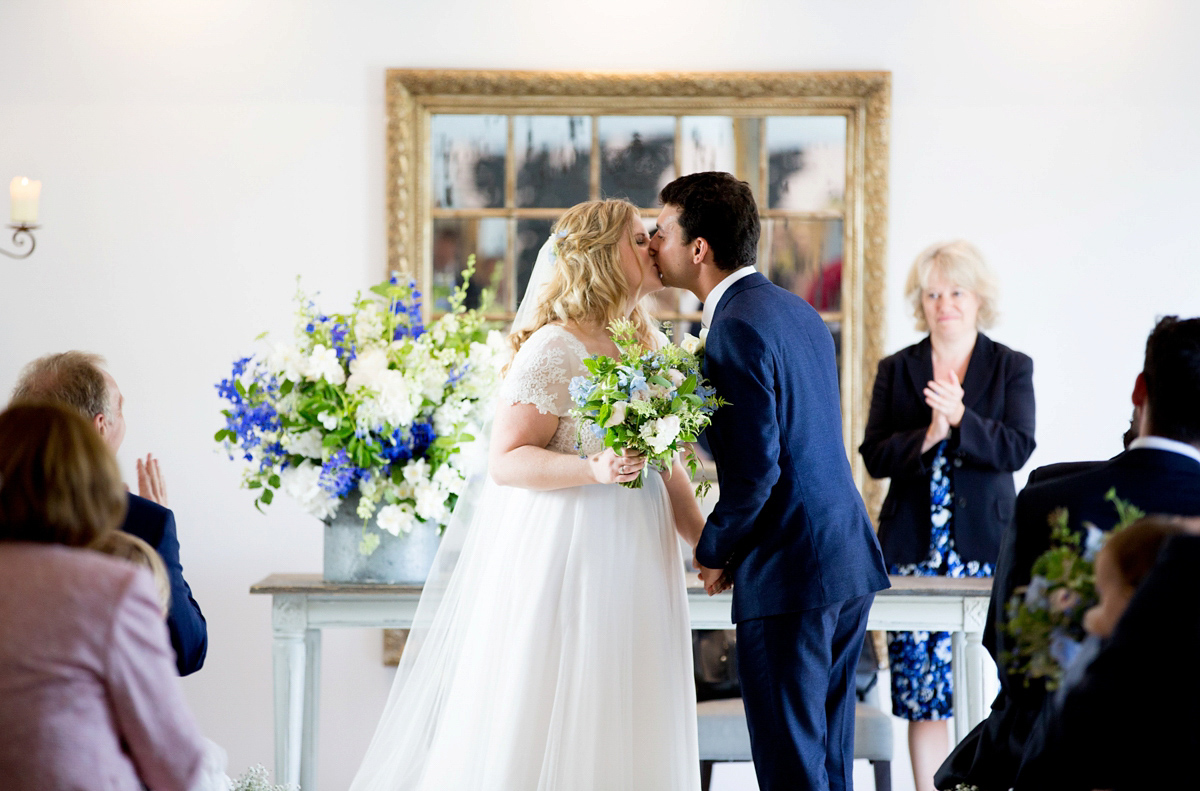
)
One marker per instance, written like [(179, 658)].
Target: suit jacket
[(993, 440), (1119, 727), (89, 697), (155, 525), (790, 525), (1059, 469), (1157, 481)]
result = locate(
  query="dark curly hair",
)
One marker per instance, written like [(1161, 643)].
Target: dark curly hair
[(721, 209), (1172, 374)]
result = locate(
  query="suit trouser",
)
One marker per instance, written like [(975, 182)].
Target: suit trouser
[(797, 673)]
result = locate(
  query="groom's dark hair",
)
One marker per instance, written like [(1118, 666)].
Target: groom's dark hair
[(1172, 373), (720, 208)]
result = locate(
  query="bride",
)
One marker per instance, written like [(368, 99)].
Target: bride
[(551, 648)]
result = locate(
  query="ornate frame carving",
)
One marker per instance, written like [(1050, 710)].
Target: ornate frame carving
[(863, 97)]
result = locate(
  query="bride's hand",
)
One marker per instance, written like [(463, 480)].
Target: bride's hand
[(607, 467)]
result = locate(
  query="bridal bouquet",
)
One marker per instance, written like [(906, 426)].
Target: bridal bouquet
[(653, 402), (369, 401), (1045, 617)]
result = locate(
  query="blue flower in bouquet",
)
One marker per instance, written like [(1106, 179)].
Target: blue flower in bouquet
[(338, 475), (581, 389), (1063, 649), (345, 349), (423, 436), (631, 380)]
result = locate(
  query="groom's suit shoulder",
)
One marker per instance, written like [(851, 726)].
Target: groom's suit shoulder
[(765, 307)]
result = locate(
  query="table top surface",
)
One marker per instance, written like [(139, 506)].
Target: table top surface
[(973, 587)]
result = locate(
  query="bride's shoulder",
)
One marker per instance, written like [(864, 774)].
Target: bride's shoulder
[(551, 336)]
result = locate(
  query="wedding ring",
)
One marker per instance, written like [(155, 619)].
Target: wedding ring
[(622, 469)]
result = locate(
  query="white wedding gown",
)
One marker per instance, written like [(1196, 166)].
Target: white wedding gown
[(551, 649)]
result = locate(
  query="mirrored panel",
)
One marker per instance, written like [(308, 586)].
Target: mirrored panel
[(806, 162), (531, 235), (553, 159), (468, 160), (805, 257), (637, 157), (453, 241), (707, 143)]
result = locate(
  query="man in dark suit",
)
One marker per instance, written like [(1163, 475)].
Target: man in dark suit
[(789, 531), (77, 380), (1159, 473)]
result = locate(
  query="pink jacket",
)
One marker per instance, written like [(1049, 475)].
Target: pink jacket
[(89, 697)]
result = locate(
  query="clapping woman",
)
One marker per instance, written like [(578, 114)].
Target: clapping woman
[(952, 417)]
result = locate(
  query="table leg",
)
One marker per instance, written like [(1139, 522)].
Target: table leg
[(973, 678), (959, 671), (312, 699), (291, 664)]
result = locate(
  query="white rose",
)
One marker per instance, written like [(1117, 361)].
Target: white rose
[(691, 344), (366, 368), (703, 338), (303, 483), (307, 443), (396, 519), (662, 433), (617, 417), (676, 377)]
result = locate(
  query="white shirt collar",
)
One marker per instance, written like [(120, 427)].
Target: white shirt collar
[(1162, 443), (714, 296)]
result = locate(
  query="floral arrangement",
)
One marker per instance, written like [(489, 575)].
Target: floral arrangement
[(652, 402), (1045, 617), (369, 401), (256, 779)]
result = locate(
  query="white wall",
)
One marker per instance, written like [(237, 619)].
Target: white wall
[(198, 154)]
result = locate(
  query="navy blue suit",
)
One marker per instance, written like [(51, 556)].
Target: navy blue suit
[(791, 531), (155, 525), (1158, 482)]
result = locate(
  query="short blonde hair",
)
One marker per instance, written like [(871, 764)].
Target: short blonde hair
[(119, 544), (59, 482), (963, 265), (588, 283)]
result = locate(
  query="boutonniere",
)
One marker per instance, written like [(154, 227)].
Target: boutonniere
[(693, 345)]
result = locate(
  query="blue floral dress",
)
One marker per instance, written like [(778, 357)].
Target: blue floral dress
[(922, 686)]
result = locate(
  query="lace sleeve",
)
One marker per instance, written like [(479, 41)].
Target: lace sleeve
[(541, 373)]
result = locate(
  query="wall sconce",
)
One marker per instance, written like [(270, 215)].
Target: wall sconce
[(25, 194)]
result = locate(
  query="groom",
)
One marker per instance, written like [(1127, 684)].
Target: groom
[(789, 531)]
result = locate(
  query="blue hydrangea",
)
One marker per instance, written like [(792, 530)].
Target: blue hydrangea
[(631, 380)]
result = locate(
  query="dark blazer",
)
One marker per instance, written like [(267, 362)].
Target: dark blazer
[(993, 440), (155, 525), (1120, 726), (1059, 469), (1157, 481), (790, 525)]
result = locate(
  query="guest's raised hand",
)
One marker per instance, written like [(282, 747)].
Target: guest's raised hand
[(607, 467), (947, 398), (150, 480)]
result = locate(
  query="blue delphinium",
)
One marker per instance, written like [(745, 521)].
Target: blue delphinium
[(338, 475), (251, 414), (345, 348)]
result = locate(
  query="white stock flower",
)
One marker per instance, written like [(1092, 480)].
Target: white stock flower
[(661, 433), (303, 484), (366, 369), (449, 415), (431, 502), (306, 443), (323, 363), (449, 479), (396, 519), (288, 361), (416, 472), (617, 416), (368, 324), (396, 403)]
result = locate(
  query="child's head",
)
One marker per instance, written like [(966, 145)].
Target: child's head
[(1121, 565), (120, 544)]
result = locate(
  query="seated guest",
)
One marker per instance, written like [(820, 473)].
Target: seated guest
[(1160, 473), (89, 697), (76, 380), (1120, 725), (952, 418)]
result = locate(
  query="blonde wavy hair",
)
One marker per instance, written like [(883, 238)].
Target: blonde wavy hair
[(963, 265), (588, 284)]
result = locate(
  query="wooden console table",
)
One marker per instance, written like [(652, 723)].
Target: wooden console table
[(303, 604)]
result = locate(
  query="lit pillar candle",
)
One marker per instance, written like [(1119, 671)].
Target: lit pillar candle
[(25, 194)]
